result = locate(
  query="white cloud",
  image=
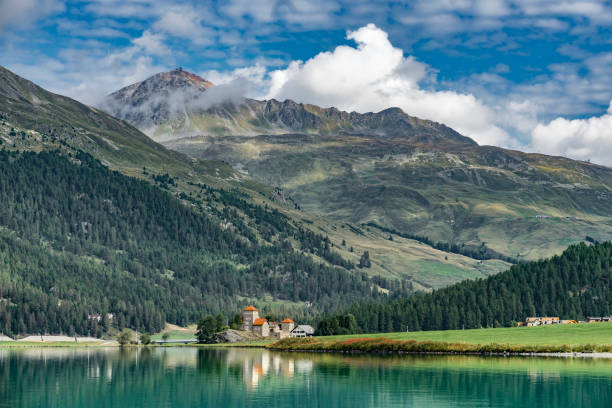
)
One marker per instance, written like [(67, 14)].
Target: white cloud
[(374, 76), (151, 43), (254, 74), (583, 139), (17, 13), (185, 22), (258, 10)]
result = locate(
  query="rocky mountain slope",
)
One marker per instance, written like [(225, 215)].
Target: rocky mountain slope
[(392, 170)]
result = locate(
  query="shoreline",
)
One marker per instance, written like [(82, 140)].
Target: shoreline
[(382, 345), (379, 352), (585, 354)]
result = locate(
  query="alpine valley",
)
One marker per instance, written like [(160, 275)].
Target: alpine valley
[(177, 198)]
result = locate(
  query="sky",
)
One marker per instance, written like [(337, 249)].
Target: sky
[(533, 75)]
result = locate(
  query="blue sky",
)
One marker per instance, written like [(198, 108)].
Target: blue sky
[(528, 74)]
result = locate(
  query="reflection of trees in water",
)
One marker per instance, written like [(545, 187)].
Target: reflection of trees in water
[(225, 377)]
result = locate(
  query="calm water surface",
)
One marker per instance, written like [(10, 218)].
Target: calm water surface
[(189, 377)]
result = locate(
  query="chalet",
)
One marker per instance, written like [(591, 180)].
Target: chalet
[(302, 330), (605, 319), (549, 320)]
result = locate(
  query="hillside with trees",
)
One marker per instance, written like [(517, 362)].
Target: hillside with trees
[(573, 285), (78, 240)]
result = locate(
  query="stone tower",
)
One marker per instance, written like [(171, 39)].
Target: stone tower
[(287, 325), (249, 315)]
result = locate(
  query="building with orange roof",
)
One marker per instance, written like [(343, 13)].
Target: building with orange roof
[(287, 326), (249, 315), (261, 327), (251, 321)]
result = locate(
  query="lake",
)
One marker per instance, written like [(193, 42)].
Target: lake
[(192, 377)]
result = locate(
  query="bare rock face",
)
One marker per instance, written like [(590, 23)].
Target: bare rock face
[(235, 336)]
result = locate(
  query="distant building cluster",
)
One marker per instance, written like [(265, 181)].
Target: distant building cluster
[(544, 321), (98, 317), (252, 322)]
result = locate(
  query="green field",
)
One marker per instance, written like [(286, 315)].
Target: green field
[(549, 339), (570, 334)]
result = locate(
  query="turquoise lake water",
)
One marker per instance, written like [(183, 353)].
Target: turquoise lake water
[(190, 377)]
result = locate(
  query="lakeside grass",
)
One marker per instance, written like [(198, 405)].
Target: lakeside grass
[(571, 334), (589, 337)]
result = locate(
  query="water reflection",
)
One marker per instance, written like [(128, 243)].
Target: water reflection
[(188, 377)]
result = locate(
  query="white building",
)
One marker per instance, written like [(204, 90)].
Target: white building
[(302, 330)]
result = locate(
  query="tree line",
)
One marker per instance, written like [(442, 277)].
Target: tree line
[(78, 240), (574, 285)]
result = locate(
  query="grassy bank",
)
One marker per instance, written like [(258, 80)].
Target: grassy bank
[(550, 339)]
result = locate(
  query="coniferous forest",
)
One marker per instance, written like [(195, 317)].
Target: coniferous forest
[(79, 240), (574, 285)]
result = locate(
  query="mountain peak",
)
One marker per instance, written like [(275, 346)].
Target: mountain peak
[(163, 82), (157, 98)]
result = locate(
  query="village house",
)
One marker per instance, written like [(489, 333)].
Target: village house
[(606, 319), (542, 321), (302, 330), (539, 321), (251, 321), (261, 327)]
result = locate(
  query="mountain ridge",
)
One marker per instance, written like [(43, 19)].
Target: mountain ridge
[(156, 105), (401, 172)]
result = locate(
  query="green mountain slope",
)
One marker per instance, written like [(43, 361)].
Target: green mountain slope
[(97, 218), (391, 169), (574, 285), (78, 239), (32, 119)]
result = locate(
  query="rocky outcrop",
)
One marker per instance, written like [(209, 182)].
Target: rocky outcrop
[(235, 336)]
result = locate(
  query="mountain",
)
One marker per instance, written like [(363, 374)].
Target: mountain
[(100, 220), (157, 99), (389, 170)]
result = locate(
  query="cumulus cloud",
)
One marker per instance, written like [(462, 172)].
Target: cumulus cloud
[(583, 139), (151, 43), (16, 13), (375, 75), (185, 22)]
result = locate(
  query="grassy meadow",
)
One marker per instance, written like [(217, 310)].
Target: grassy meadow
[(586, 337)]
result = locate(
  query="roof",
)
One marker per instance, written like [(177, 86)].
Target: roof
[(305, 328), (250, 309), (259, 322), (287, 320)]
